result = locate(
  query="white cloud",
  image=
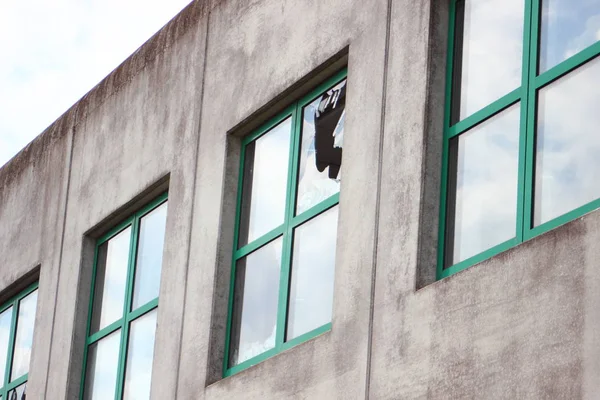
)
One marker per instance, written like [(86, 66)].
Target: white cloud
[(55, 52)]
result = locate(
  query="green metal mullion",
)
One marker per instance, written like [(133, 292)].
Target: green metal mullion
[(567, 66), (102, 333), (138, 312), (529, 60), (528, 198), (127, 306), (316, 210), (286, 258), (17, 382), (484, 114), (258, 243), (445, 142), (11, 342)]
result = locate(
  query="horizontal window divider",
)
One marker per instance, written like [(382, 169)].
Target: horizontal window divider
[(146, 308), (562, 219), (252, 361), (306, 336), (17, 382), (478, 258), (258, 243), (485, 113), (102, 333), (316, 210), (570, 64)]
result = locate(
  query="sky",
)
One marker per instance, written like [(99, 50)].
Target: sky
[(53, 52)]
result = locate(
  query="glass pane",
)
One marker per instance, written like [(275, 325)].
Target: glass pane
[(149, 256), (489, 44), (482, 186), (111, 277), (17, 393), (255, 299), (321, 148), (567, 27), (101, 371), (265, 183), (5, 321), (568, 143), (139, 357), (313, 270), (24, 336)]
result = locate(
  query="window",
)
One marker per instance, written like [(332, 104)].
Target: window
[(284, 257), (123, 307), (521, 138), (17, 319)]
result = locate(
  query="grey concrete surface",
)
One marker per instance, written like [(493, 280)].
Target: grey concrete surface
[(522, 325)]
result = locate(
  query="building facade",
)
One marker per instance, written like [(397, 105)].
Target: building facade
[(157, 242)]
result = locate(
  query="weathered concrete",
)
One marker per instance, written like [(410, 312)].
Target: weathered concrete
[(523, 324)]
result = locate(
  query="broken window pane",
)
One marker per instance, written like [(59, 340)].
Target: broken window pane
[(321, 148)]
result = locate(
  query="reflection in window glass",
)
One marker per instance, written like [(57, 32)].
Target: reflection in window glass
[(482, 193), (567, 27), (111, 276), (313, 270), (140, 353), (18, 393), (568, 143), (265, 183), (5, 321), (24, 335), (101, 371), (321, 148), (149, 256), (491, 34), (255, 303)]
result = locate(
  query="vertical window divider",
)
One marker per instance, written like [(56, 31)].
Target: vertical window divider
[(11, 346), (123, 348), (445, 141), (529, 60), (531, 120), (290, 208)]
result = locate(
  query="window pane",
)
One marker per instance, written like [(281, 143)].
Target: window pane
[(567, 27), (489, 49), (17, 393), (265, 183), (149, 256), (5, 321), (255, 301), (321, 148), (101, 371), (139, 357), (568, 143), (482, 186), (313, 270), (24, 335), (111, 277)]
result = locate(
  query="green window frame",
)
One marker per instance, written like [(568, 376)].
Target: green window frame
[(15, 384), (285, 231), (526, 97), (130, 313)]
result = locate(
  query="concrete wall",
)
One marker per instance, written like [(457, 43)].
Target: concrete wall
[(520, 325)]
